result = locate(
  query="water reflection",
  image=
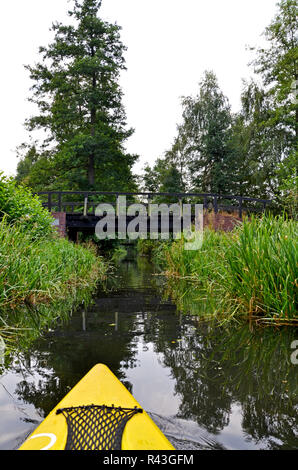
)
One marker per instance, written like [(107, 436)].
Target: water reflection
[(206, 386)]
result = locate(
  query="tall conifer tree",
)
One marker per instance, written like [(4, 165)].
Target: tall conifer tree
[(76, 89)]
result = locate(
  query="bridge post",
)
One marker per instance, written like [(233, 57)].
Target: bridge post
[(59, 202), (181, 207), (149, 205), (117, 206), (50, 202), (215, 206), (85, 205), (240, 207)]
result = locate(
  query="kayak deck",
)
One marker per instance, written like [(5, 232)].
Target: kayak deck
[(99, 395)]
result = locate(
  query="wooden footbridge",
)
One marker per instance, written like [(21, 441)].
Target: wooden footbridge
[(76, 211)]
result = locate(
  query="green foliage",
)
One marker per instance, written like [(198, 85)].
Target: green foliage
[(277, 65), (146, 247), (200, 154), (118, 254), (287, 173), (206, 123), (270, 110), (261, 146), (163, 177), (19, 206)]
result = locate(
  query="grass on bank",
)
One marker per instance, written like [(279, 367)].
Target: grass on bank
[(252, 270), (43, 278)]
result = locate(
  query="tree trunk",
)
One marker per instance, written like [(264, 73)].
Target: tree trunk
[(91, 166)]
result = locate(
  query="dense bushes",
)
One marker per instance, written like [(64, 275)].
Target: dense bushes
[(19, 206)]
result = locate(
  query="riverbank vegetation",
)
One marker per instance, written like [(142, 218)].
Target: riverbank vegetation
[(42, 276), (251, 271), (35, 272)]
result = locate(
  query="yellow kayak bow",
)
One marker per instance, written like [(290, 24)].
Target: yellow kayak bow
[(99, 413)]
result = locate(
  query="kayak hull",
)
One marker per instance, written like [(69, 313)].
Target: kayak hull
[(99, 387)]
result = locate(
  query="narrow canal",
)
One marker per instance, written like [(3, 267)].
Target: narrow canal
[(206, 386)]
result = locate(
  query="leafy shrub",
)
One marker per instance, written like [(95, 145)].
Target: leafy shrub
[(19, 206)]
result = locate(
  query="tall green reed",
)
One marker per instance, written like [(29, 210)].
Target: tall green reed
[(252, 270), (263, 266), (43, 279)]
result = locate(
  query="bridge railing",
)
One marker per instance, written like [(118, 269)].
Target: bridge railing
[(74, 202)]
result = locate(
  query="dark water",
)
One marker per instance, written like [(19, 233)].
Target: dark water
[(206, 386)]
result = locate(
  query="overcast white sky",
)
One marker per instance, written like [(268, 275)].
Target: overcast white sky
[(170, 44)]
